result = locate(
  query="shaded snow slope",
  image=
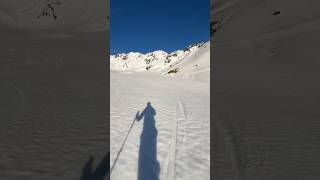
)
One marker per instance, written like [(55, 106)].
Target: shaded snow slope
[(53, 108), (67, 15), (53, 92), (266, 64)]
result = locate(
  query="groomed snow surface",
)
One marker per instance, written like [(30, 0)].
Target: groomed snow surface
[(171, 137)]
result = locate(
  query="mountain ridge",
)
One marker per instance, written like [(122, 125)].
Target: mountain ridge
[(173, 63)]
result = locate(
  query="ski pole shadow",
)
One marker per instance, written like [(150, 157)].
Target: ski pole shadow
[(148, 165), (100, 173)]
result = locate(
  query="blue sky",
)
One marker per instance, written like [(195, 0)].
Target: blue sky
[(148, 25)]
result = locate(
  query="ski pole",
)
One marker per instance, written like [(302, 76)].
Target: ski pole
[(115, 161)]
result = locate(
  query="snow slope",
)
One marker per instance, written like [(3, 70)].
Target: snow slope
[(53, 92), (55, 15), (192, 62), (53, 108), (194, 65), (181, 132), (266, 89), (172, 141)]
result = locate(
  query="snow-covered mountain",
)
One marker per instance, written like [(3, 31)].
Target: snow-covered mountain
[(193, 61)]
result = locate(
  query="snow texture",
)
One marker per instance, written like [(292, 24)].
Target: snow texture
[(53, 91), (266, 89), (171, 137)]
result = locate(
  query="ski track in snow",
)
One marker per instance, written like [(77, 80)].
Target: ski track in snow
[(182, 121)]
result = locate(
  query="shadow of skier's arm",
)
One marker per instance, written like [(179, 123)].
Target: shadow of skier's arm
[(139, 116)]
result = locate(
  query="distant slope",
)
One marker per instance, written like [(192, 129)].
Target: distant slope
[(192, 62), (195, 65)]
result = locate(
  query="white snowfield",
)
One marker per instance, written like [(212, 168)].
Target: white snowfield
[(171, 137)]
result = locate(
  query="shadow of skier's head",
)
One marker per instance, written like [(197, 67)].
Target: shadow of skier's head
[(148, 113)]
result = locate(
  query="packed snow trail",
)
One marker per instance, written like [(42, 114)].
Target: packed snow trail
[(182, 125)]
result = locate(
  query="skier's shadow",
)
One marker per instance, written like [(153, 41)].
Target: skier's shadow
[(148, 165), (101, 172)]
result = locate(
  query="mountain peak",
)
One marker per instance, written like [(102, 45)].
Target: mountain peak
[(158, 60)]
